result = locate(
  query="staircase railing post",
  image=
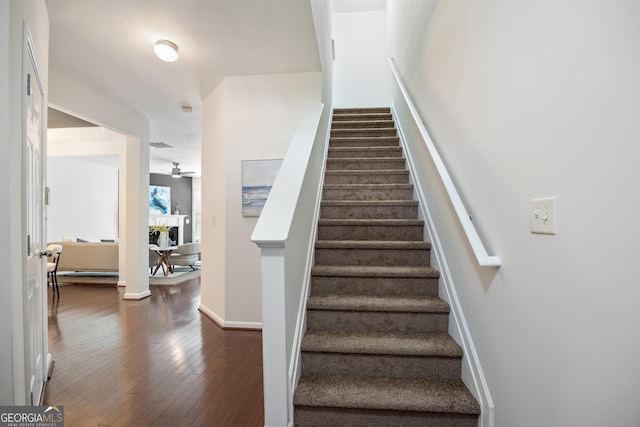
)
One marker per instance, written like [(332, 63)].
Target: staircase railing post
[(274, 348)]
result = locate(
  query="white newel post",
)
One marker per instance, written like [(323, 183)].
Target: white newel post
[(274, 343)]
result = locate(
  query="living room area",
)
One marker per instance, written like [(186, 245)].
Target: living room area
[(84, 209)]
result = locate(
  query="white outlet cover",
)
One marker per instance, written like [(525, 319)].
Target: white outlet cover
[(544, 215)]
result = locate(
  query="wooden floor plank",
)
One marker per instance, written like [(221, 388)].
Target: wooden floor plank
[(158, 361)]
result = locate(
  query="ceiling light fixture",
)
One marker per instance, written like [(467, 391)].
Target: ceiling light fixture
[(166, 50)]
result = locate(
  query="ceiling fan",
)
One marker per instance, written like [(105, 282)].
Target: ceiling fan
[(177, 173)]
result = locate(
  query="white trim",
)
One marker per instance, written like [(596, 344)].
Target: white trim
[(461, 333), (122, 283), (228, 324), (211, 315), (301, 321), (136, 296), (484, 260)]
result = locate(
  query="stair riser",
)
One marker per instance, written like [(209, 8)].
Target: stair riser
[(363, 142), (332, 178), (359, 133), (365, 124), (370, 232), (368, 152), (368, 110), (370, 212), (368, 194), (365, 164), (319, 416), (387, 286), (374, 321), (369, 365), (388, 257), (360, 117)]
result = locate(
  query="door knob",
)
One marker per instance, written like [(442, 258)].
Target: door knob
[(46, 253)]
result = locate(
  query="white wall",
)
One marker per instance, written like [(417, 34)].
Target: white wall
[(245, 118), (84, 199), (361, 74), (88, 103), (529, 100), (196, 209)]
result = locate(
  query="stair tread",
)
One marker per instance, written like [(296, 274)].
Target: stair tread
[(365, 159), (371, 221), (338, 202), (370, 129), (398, 344), (355, 120), (338, 391), (372, 244), (365, 140), (339, 117), (366, 171), (358, 138), (374, 271), (366, 186), (407, 304), (376, 148), (356, 110)]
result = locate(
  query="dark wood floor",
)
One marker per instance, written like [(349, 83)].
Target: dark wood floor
[(152, 362)]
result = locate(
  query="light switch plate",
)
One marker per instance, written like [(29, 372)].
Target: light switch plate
[(543, 215)]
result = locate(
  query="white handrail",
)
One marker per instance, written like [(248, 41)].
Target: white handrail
[(484, 259), (272, 228)]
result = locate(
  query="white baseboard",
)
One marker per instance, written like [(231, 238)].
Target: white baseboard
[(138, 296), (122, 283), (226, 324), (243, 325), (462, 334)]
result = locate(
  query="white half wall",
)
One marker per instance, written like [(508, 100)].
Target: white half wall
[(84, 199), (244, 118), (526, 100), (361, 76)]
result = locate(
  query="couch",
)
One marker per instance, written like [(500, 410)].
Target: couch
[(89, 256)]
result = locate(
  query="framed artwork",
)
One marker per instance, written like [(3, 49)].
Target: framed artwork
[(258, 177), (159, 200)]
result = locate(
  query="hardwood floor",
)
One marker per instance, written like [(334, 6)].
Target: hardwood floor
[(158, 361)]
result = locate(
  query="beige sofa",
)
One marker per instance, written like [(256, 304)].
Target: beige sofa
[(90, 256)]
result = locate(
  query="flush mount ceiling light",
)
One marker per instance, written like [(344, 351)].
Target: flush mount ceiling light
[(166, 50)]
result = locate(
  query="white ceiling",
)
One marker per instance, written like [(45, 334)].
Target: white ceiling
[(352, 6), (108, 45)]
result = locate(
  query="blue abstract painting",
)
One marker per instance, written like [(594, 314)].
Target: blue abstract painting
[(257, 179), (159, 200)]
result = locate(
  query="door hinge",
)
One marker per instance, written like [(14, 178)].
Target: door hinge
[(28, 244), (28, 84)]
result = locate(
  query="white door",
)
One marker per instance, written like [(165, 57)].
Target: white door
[(35, 292)]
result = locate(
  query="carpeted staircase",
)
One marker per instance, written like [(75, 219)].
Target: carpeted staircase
[(376, 351)]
